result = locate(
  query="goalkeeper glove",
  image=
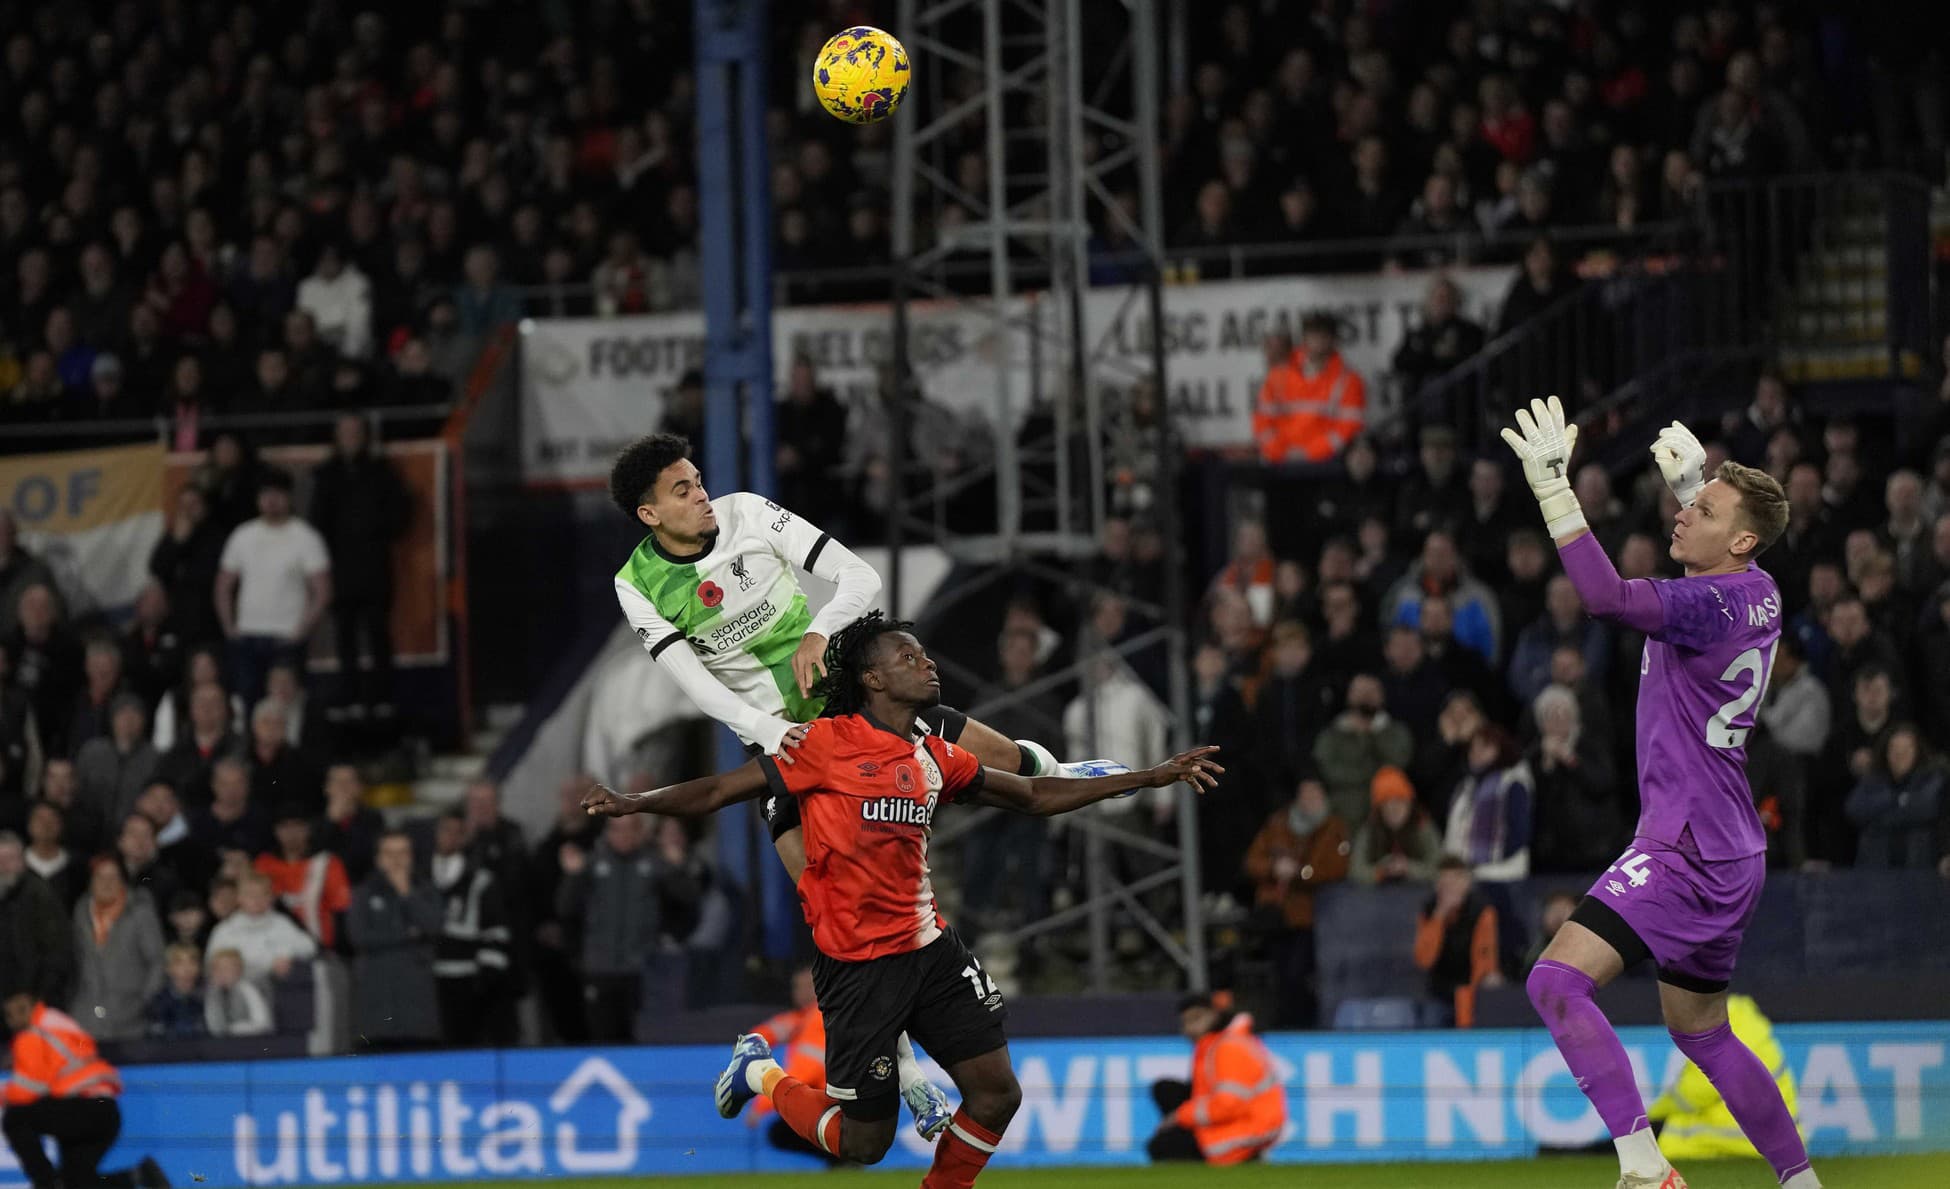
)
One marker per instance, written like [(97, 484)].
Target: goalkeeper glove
[(1682, 460), (1543, 443)]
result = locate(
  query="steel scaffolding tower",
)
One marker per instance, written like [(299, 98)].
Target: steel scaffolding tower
[(1064, 114)]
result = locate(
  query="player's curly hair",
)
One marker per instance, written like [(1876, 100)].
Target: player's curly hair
[(636, 469), (848, 655)]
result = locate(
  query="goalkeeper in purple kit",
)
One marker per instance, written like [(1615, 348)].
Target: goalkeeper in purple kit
[(1683, 892)]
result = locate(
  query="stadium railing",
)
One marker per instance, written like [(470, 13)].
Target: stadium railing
[(816, 286), (1828, 275), (40, 437), (1892, 926), (1830, 262)]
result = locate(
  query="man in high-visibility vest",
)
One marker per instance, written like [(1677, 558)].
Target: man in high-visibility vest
[(1235, 1107), (1313, 403), (1692, 1119), (61, 1089)]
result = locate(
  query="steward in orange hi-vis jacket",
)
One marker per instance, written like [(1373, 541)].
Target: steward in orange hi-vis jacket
[(1312, 403), (61, 1089), (1235, 1107)]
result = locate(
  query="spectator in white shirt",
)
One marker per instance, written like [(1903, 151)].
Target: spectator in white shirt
[(1117, 715), (274, 582), (232, 1006), (1797, 712), (269, 942), (339, 299)]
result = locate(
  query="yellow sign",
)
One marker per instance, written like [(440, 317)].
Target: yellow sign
[(79, 490)]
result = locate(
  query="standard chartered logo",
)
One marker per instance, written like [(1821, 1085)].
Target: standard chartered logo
[(734, 632), (589, 1123)]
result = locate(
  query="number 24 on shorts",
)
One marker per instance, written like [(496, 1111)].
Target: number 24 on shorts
[(1634, 865)]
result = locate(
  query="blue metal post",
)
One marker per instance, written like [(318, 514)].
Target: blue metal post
[(735, 255)]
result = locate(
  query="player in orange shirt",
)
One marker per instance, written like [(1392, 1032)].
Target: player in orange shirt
[(867, 783)]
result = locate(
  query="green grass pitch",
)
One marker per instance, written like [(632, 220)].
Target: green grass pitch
[(1857, 1172)]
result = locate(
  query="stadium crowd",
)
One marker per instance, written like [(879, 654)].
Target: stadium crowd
[(325, 208), (1403, 677), (277, 208)]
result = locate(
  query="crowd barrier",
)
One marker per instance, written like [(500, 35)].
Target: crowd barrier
[(1865, 1088), (1809, 930)]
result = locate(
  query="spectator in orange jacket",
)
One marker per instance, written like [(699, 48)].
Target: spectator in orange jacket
[(62, 1090), (1234, 1109), (1313, 403), (801, 1031), (313, 887), (1455, 940)]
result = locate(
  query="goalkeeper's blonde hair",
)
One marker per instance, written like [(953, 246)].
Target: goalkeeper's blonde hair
[(1763, 505)]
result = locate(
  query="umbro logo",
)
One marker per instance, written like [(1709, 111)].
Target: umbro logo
[(1614, 887), (869, 769)]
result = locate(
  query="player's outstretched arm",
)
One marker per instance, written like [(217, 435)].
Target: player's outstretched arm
[(1047, 796), (1543, 442), (693, 798), (1026, 757)]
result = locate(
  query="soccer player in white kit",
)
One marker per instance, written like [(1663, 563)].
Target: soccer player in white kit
[(713, 593)]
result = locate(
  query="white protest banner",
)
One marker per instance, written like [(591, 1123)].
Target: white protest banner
[(590, 385), (1214, 334)]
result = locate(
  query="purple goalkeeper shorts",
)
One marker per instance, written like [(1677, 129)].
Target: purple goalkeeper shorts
[(1690, 912)]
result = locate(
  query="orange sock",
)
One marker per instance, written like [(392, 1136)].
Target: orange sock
[(960, 1154), (807, 1111)]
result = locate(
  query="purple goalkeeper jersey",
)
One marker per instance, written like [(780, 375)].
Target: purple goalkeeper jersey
[(1709, 651), (1700, 686)]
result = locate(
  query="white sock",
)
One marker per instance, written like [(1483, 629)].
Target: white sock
[(1639, 1154), (904, 1057), (755, 1074), (1805, 1179)]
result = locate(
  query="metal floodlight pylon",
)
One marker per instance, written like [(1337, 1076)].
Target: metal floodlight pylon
[(1066, 117)]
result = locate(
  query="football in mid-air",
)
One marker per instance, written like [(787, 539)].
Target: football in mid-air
[(861, 75)]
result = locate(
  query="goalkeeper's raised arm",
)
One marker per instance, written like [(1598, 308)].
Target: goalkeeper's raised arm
[(1722, 523)]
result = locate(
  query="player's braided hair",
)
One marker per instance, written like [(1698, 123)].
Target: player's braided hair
[(848, 655)]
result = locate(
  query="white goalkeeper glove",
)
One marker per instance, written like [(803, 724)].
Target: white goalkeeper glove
[(1682, 460), (1543, 442)]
